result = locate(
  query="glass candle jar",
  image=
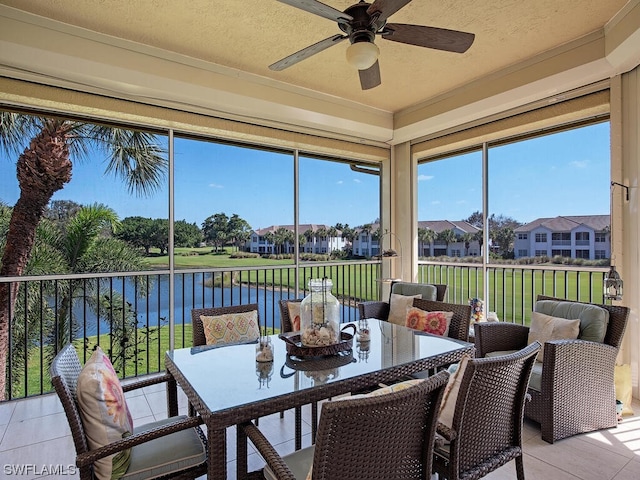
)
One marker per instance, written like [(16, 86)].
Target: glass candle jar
[(319, 315)]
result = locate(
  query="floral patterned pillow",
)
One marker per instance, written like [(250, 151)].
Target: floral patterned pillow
[(436, 323), (104, 412), (231, 327)]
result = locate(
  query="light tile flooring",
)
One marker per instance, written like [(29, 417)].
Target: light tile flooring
[(35, 435)]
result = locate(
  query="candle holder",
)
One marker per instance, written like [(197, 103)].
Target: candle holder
[(264, 350)]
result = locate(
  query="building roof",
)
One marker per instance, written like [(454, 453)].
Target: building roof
[(301, 228), (442, 225), (567, 223)]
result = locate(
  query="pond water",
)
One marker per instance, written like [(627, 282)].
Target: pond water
[(152, 307)]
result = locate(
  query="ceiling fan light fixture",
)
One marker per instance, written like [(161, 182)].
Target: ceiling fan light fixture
[(362, 55)]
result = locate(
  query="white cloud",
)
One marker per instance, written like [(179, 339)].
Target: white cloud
[(579, 163), (422, 178), (435, 202), (339, 182), (357, 180), (215, 185)]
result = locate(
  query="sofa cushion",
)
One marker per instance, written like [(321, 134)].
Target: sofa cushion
[(593, 319), (428, 292), (165, 455), (535, 381)]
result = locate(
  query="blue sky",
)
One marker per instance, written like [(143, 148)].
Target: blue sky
[(560, 174), (566, 173)]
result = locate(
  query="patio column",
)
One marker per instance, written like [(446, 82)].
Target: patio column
[(625, 169), (404, 206)]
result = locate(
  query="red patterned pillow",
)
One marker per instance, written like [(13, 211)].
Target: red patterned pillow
[(436, 323)]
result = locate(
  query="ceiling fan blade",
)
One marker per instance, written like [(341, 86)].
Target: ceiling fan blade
[(386, 8), (429, 37), (370, 77), (320, 9), (306, 52)]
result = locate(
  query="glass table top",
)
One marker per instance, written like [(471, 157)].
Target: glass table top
[(229, 376)]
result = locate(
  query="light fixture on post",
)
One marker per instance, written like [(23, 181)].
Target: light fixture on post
[(393, 252), (612, 280)]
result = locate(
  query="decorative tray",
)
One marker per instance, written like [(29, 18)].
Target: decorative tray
[(295, 347), (317, 364)]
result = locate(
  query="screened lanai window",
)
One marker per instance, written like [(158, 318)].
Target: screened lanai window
[(240, 198), (547, 196), (91, 192)]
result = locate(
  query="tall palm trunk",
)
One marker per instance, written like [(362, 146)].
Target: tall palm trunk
[(42, 169)]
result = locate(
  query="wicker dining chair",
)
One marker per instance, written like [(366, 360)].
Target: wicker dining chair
[(175, 446), (486, 431), (286, 325), (197, 326), (380, 309), (387, 437)]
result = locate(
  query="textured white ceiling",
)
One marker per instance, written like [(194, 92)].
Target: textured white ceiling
[(248, 35)]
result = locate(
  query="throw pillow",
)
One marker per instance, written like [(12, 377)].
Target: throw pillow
[(545, 327), (105, 414), (294, 315), (398, 306), (450, 397), (436, 323), (231, 327)]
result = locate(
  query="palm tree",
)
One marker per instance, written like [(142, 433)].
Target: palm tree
[(332, 232), (430, 237), (269, 239), (320, 234), (309, 235), (447, 237), (47, 148), (467, 238)]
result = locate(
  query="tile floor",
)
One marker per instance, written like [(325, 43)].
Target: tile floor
[(34, 434)]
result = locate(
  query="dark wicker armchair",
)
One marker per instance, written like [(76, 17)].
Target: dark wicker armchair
[(486, 432), (577, 389), (380, 310), (174, 444), (386, 437)]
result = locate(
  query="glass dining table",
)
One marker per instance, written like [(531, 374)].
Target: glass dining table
[(227, 386)]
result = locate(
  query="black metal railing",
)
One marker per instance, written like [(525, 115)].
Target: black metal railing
[(513, 288), (130, 315)]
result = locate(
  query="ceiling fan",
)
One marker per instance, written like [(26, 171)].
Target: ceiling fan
[(361, 23)]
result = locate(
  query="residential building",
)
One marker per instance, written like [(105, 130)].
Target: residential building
[(264, 240), (466, 243), (586, 237), (367, 240)]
